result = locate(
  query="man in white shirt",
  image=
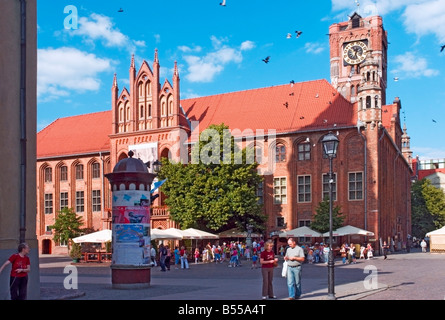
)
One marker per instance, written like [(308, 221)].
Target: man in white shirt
[(294, 257)]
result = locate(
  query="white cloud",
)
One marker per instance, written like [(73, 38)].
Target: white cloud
[(247, 45), (65, 69), (205, 68), (189, 49), (411, 66), (426, 18), (421, 17), (312, 47), (425, 153), (100, 27)]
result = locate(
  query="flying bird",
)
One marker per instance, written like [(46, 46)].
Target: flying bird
[(120, 10), (292, 82), (298, 33), (434, 121), (396, 79), (442, 48), (286, 104), (266, 60), (289, 36), (223, 3)]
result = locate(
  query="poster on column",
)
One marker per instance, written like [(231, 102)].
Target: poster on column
[(132, 244), (131, 227)]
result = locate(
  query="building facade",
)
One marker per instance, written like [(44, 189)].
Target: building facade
[(285, 124), (18, 103)]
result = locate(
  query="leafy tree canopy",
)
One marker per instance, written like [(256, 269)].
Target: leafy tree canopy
[(427, 208), (67, 225), (321, 218)]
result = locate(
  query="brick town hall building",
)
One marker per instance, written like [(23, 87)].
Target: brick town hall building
[(372, 169)]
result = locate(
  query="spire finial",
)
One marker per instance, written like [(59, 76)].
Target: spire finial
[(132, 61), (156, 55), (175, 72), (115, 80)]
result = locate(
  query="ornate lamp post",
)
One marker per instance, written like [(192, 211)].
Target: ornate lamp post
[(330, 144)]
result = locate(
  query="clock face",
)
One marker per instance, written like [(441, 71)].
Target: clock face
[(355, 52)]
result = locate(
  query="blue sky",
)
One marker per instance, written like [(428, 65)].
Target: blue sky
[(220, 49)]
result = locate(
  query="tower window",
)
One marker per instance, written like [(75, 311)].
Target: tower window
[(356, 22), (368, 102), (376, 101)]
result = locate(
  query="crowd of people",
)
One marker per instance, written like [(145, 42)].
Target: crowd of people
[(231, 252)]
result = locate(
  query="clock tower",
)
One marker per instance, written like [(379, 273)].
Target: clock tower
[(358, 59)]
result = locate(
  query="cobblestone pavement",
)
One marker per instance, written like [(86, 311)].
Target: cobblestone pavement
[(403, 276)]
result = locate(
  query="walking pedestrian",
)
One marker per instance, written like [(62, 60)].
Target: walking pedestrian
[(168, 258), (21, 266), (267, 261), (184, 258), (196, 255), (369, 251), (153, 256), (295, 258), (162, 256), (177, 257), (423, 245), (343, 253), (385, 248)]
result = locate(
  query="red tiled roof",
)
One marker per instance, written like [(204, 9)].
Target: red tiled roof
[(311, 105), (307, 105), (75, 135)]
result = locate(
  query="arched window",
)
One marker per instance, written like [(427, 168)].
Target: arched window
[(280, 151), (121, 113), (128, 114), (148, 88), (142, 112), (368, 102), (48, 174), (149, 110), (376, 100)]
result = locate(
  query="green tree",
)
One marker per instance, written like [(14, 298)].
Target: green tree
[(67, 226), (217, 190), (427, 208), (321, 218)]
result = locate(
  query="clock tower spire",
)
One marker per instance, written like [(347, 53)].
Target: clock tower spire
[(352, 44)]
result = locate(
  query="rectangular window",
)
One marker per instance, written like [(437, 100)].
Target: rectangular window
[(304, 151), (304, 188), (63, 200), (304, 223), (48, 175), (280, 190), (280, 222), (355, 186), (48, 203), (96, 170), (260, 193), (64, 173), (96, 200), (79, 172), (80, 201), (326, 186)]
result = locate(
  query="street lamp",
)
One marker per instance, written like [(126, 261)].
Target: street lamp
[(249, 235), (330, 144)]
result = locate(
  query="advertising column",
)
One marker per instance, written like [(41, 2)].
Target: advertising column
[(130, 184)]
